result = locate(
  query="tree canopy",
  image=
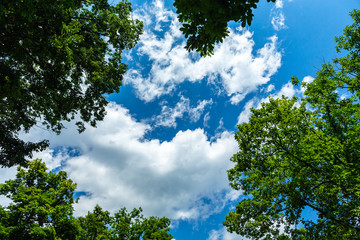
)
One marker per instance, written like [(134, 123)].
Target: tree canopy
[(42, 209), (132, 225), (205, 21), (41, 205), (299, 154), (57, 60)]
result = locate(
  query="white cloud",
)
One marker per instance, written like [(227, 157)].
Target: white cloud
[(195, 113), (277, 16), (279, 4), (236, 98), (7, 173), (223, 234), (206, 120), (219, 130), (233, 195), (117, 167), (51, 159), (287, 90), (168, 115), (246, 113), (233, 64), (270, 88), (278, 20)]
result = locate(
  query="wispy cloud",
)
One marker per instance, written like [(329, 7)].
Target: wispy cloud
[(278, 20), (277, 16), (169, 115), (223, 234), (206, 120), (279, 4)]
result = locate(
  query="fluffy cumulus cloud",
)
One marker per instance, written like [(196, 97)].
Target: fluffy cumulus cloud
[(115, 166), (234, 66)]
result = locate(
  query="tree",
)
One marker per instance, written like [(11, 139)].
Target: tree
[(135, 226), (156, 228), (205, 21), (57, 60), (95, 225), (41, 205), (123, 225), (41, 209), (304, 154)]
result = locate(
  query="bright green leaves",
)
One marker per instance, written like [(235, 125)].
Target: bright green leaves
[(205, 21), (132, 225), (58, 59), (95, 224), (41, 205), (303, 154), (350, 64)]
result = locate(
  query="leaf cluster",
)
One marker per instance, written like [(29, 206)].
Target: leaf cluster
[(132, 225), (205, 21)]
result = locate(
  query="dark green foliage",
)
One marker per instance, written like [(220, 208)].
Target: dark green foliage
[(58, 59), (13, 149), (205, 21), (304, 155)]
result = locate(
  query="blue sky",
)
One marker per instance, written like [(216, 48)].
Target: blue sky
[(166, 141)]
